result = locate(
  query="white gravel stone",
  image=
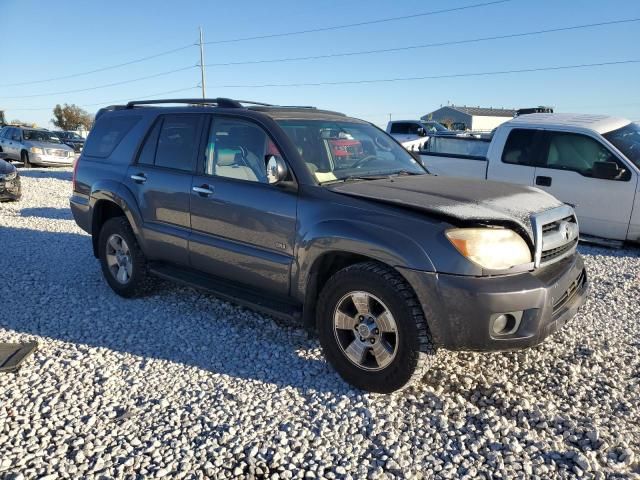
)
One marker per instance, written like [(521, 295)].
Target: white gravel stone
[(182, 385)]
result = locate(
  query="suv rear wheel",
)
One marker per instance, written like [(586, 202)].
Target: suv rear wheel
[(124, 266), (372, 328)]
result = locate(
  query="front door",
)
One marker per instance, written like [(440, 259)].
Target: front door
[(243, 229), (161, 181), (603, 206)]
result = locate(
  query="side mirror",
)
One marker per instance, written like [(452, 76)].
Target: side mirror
[(277, 170), (605, 170), (422, 132)]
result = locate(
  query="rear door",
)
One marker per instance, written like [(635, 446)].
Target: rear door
[(514, 154), (243, 229), (603, 206), (161, 181)]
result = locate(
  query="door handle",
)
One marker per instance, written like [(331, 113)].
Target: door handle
[(139, 178), (543, 181), (203, 190)]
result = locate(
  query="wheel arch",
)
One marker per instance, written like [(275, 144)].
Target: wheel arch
[(108, 201)]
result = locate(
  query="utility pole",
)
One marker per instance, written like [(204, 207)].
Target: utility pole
[(202, 75)]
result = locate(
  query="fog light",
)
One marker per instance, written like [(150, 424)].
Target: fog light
[(504, 324)]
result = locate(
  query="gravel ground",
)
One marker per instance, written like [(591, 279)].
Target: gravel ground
[(182, 385)]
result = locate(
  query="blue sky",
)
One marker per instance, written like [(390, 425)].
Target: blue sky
[(41, 41)]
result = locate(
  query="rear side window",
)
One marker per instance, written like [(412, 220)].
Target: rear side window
[(400, 128), (178, 142), (522, 147), (107, 134)]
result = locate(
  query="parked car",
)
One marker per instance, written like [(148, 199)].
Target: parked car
[(10, 188), (34, 146), (71, 139), (413, 134), (591, 162), (387, 262)]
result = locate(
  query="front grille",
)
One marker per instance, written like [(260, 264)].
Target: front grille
[(58, 153), (570, 292), (554, 225), (548, 255)]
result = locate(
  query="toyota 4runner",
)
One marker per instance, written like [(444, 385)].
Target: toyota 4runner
[(251, 202)]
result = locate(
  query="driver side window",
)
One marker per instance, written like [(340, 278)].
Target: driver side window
[(580, 154), (238, 149)]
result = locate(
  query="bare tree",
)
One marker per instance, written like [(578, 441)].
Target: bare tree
[(71, 117)]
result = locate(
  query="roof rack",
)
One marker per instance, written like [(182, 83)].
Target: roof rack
[(220, 102)]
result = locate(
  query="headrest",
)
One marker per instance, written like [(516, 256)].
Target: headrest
[(227, 157)]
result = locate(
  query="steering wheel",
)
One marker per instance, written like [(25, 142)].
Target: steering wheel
[(363, 160)]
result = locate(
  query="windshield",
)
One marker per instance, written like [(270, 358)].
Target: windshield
[(432, 127), (41, 136), (69, 135), (335, 150), (627, 140)]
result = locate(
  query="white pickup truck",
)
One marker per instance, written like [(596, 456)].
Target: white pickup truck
[(591, 162)]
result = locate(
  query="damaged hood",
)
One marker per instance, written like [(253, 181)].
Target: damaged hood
[(477, 201)]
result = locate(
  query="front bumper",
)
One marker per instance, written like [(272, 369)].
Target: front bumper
[(460, 310), (10, 189), (51, 160)]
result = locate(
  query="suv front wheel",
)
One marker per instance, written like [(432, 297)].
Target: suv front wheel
[(372, 328), (124, 266)]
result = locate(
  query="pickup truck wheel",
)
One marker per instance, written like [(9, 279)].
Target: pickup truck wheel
[(124, 266), (372, 328)]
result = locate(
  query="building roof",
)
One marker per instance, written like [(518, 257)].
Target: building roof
[(485, 111), (477, 111), (598, 123)]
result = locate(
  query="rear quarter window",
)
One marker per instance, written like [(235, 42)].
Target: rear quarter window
[(107, 133)]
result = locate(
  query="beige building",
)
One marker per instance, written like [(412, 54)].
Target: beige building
[(470, 118)]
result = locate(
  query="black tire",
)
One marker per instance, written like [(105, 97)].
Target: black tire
[(24, 158), (415, 349), (140, 281)]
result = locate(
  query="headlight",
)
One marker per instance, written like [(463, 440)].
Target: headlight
[(37, 150), (492, 248)]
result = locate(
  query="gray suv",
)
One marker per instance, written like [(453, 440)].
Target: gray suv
[(327, 221), (35, 146)]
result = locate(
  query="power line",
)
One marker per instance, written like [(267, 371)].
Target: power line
[(359, 24), (123, 82), (97, 70), (434, 77), (111, 102), (426, 45), (184, 47)]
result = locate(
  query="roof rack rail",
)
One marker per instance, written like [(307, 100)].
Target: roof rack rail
[(260, 104), (220, 102)]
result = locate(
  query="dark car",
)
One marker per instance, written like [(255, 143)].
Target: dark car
[(385, 261), (10, 188), (71, 139)]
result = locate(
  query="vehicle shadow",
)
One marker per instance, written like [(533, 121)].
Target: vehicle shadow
[(47, 212), (68, 300), (51, 172)]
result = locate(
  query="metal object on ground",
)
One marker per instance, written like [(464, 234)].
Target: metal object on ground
[(13, 354)]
